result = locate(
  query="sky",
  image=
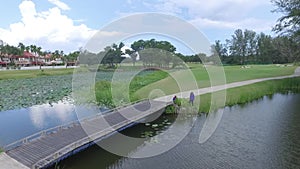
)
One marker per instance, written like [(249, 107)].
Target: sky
[(69, 24)]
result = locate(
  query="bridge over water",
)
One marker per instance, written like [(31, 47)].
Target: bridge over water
[(46, 147)]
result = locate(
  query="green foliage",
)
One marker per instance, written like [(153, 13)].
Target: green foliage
[(140, 81), (103, 93), (178, 101), (232, 73), (249, 47), (156, 53), (289, 23), (297, 64), (111, 55), (170, 109), (245, 94), (23, 74), (20, 93)]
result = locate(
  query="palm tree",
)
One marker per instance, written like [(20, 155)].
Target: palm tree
[(39, 52), (27, 48), (22, 48)]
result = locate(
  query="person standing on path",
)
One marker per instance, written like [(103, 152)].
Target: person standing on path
[(192, 98)]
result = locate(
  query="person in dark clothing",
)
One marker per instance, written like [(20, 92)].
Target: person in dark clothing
[(174, 99), (192, 98)]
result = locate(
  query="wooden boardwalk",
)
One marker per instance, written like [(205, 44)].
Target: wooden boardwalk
[(43, 149)]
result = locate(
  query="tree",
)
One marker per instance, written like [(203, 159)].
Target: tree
[(22, 48), (251, 44), (220, 49), (238, 45), (27, 48), (111, 55), (265, 49), (154, 52), (55, 54), (289, 23), (286, 48), (133, 55)]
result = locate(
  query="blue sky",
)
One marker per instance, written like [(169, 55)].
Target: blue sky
[(69, 24)]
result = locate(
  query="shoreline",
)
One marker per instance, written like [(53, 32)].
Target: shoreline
[(8, 162), (249, 93), (253, 84)]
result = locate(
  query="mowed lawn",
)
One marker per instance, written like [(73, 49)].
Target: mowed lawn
[(198, 77), (19, 74)]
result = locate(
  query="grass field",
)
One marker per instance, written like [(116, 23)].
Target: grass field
[(245, 94), (201, 78), (159, 83), (103, 89), (19, 74)]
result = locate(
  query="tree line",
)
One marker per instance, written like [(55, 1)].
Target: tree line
[(151, 53), (249, 47), (10, 50), (243, 47)]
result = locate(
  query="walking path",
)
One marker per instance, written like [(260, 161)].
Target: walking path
[(7, 162), (211, 89), (45, 147)]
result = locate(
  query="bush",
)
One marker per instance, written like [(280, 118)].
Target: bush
[(170, 109), (178, 102)]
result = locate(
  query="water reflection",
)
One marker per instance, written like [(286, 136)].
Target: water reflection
[(20, 123), (41, 114), (261, 134)]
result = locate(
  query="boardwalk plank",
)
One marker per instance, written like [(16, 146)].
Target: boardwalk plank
[(38, 149)]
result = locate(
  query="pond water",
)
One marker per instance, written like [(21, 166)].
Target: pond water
[(261, 134), (19, 93), (45, 107), (20, 123)]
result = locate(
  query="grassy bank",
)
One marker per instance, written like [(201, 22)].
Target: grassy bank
[(158, 83), (248, 93), (103, 88), (19, 74), (232, 73)]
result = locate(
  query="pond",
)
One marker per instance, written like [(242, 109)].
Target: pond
[(28, 106), (19, 93), (261, 134), (19, 123)]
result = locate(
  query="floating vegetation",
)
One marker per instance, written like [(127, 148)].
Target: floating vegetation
[(147, 134), (22, 93), (154, 125), (19, 93), (157, 127)]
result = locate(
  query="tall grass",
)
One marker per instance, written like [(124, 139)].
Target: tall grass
[(245, 94), (103, 89)]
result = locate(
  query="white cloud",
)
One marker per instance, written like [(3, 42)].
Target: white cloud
[(60, 4), (49, 29), (258, 25), (225, 9), (224, 14)]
